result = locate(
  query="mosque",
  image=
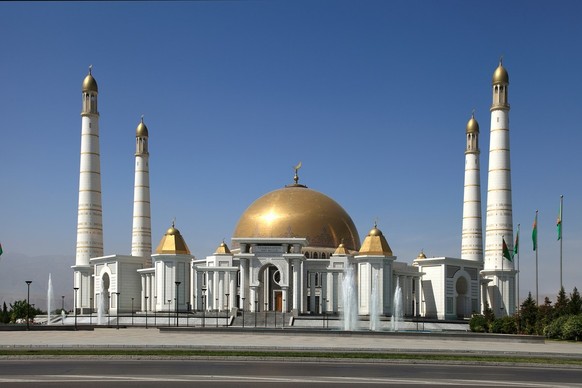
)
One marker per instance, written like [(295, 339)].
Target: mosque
[(293, 247)]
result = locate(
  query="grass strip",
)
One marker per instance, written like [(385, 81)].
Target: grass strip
[(291, 354)]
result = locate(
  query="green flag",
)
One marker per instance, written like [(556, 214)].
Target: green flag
[(516, 246), (534, 233), (559, 222), (506, 252), (1, 251)]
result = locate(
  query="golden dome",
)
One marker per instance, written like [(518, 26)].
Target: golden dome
[(341, 250), (296, 211), (222, 249), (500, 75), (375, 244), (173, 243), (421, 256), (472, 125), (142, 130), (89, 83)]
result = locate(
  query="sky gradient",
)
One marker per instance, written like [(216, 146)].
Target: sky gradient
[(372, 96)]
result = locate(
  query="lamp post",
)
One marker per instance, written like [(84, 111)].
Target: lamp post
[(216, 312), (63, 303), (243, 311), (203, 307), (169, 310), (227, 295), (75, 305), (90, 311), (117, 293), (256, 310), (131, 311), (146, 310), (28, 305), (177, 301), (156, 310), (266, 305), (283, 312)]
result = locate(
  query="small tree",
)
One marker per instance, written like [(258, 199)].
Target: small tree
[(561, 306), (545, 316), (575, 303), (20, 310), (528, 315), (489, 316), (4, 316)]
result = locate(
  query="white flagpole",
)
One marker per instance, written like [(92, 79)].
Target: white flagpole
[(518, 274), (561, 234)]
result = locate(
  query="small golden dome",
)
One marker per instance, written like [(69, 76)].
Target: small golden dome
[(222, 249), (341, 250), (375, 244), (89, 83), (142, 130), (173, 243), (472, 125), (500, 75), (297, 211), (421, 256)]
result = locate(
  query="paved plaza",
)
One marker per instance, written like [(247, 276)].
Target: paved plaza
[(292, 339)]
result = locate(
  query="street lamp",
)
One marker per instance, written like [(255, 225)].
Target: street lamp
[(63, 303), (131, 311), (117, 293), (177, 301), (243, 311), (169, 310), (227, 295), (283, 311), (146, 310), (28, 305), (75, 305), (156, 310), (90, 311), (203, 307), (256, 310), (266, 304)]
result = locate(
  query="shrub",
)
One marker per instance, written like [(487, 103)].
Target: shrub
[(554, 329), (478, 324), (572, 328)]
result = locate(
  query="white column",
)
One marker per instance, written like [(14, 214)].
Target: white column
[(296, 285), (253, 298), (244, 269), (221, 291)]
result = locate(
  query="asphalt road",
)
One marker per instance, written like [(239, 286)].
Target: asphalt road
[(97, 372)]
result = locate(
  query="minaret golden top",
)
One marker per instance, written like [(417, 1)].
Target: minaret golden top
[(89, 83), (500, 75), (472, 124), (142, 130)]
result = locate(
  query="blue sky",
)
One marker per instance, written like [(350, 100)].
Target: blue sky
[(372, 96)]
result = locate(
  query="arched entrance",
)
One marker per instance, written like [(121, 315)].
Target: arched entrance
[(463, 302), (270, 291), (104, 302)]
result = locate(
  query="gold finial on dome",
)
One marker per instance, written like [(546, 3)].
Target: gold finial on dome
[(296, 177), (472, 124), (341, 249), (173, 243), (421, 255), (89, 83), (141, 130), (500, 75)]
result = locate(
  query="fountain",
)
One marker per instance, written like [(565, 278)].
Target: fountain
[(350, 315), (101, 306), (397, 313), (375, 306), (49, 301)]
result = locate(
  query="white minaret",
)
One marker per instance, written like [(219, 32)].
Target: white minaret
[(141, 240), (472, 233), (499, 222), (89, 219)]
